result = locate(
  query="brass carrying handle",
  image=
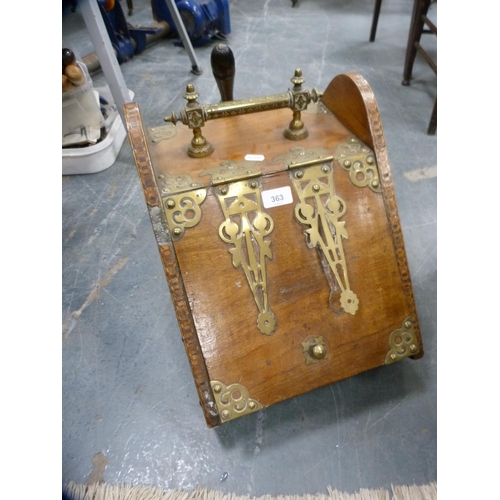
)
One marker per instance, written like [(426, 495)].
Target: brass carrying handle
[(194, 115), (242, 106)]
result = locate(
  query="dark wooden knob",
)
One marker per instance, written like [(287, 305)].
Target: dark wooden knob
[(224, 69)]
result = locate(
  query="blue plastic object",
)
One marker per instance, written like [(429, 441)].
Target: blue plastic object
[(203, 19), (127, 40)]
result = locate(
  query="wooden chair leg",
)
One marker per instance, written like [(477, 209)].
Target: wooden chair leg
[(130, 6), (376, 13), (420, 8), (433, 123)]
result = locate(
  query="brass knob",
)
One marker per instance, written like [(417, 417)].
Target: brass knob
[(318, 351)]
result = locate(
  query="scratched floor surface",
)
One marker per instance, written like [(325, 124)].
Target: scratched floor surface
[(130, 408)]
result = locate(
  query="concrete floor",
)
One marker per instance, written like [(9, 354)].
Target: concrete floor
[(130, 408)]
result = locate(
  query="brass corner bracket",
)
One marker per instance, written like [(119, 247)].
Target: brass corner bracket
[(233, 400), (402, 342), (181, 198), (359, 160)]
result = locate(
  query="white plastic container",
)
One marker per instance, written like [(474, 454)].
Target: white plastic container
[(93, 159), (79, 106)]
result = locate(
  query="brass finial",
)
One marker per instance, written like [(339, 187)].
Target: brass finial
[(191, 95), (297, 78), (172, 118)]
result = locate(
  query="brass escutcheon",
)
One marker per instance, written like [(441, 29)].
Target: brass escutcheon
[(314, 350)]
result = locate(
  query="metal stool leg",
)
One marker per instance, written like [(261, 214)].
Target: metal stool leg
[(376, 13), (174, 12), (107, 58)]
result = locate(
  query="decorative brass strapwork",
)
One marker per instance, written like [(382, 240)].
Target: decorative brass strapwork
[(402, 342), (194, 115), (320, 209), (314, 350), (245, 227), (158, 134), (175, 184), (181, 198), (359, 161), (233, 400)]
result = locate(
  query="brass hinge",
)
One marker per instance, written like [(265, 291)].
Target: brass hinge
[(246, 229), (320, 210), (232, 171)]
